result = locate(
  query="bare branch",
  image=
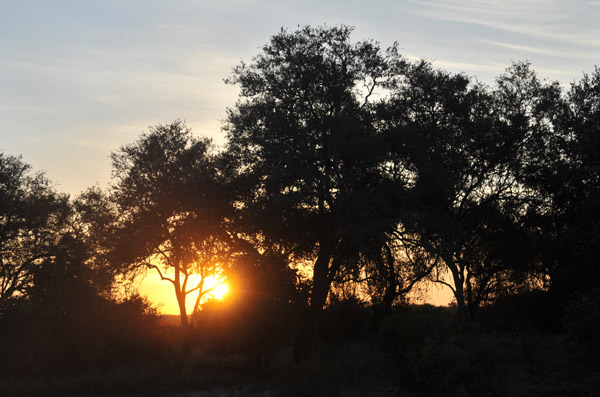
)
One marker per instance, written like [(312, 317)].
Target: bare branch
[(162, 277)]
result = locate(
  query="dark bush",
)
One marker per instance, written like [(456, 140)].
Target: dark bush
[(76, 333), (582, 322), (344, 320), (534, 311)]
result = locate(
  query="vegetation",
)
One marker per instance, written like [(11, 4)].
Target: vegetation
[(169, 210), (350, 175)]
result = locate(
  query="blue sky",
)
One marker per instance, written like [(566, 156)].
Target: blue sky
[(80, 78)]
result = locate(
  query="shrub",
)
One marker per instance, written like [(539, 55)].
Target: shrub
[(529, 311)]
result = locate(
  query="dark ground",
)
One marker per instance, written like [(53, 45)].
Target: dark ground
[(416, 351)]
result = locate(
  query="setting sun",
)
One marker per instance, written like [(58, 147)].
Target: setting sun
[(215, 288)]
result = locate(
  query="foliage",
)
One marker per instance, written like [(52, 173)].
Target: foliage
[(459, 151), (568, 181), (32, 217), (65, 326), (582, 320), (302, 133), (533, 310), (170, 207)]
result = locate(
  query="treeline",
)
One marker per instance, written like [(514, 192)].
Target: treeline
[(349, 173)]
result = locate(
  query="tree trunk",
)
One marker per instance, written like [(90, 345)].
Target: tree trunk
[(471, 302), (391, 287), (199, 298), (181, 301), (459, 294), (473, 311), (321, 279), (306, 339), (182, 311)]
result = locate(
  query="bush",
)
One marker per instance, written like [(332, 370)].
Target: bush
[(257, 328), (529, 311), (347, 319), (75, 333)]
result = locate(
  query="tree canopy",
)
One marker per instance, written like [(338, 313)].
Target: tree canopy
[(32, 219), (170, 210), (303, 132)]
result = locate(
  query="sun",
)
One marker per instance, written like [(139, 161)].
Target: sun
[(220, 291), (215, 288)]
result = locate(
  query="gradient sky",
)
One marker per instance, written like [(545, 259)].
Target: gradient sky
[(80, 78)]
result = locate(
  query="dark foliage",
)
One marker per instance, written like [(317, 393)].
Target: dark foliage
[(528, 311), (74, 331), (172, 210), (582, 321), (32, 220)]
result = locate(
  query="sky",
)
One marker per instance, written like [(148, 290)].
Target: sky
[(80, 78)]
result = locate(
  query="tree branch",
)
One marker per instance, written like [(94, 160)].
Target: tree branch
[(162, 277)]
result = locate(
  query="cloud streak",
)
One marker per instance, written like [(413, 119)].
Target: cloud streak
[(555, 21), (537, 50)]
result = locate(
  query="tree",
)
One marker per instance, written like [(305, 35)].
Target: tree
[(302, 140), (395, 267), (32, 217), (565, 172), (580, 186), (63, 306), (170, 207), (459, 153)]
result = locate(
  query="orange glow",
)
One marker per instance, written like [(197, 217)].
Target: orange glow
[(161, 293)]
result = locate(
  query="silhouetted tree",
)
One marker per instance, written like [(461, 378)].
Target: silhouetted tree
[(32, 216), (57, 311), (395, 268), (565, 172), (457, 155), (169, 204), (302, 137), (580, 186), (91, 225)]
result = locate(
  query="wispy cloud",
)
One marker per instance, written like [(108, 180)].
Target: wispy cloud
[(549, 20), (536, 50)]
